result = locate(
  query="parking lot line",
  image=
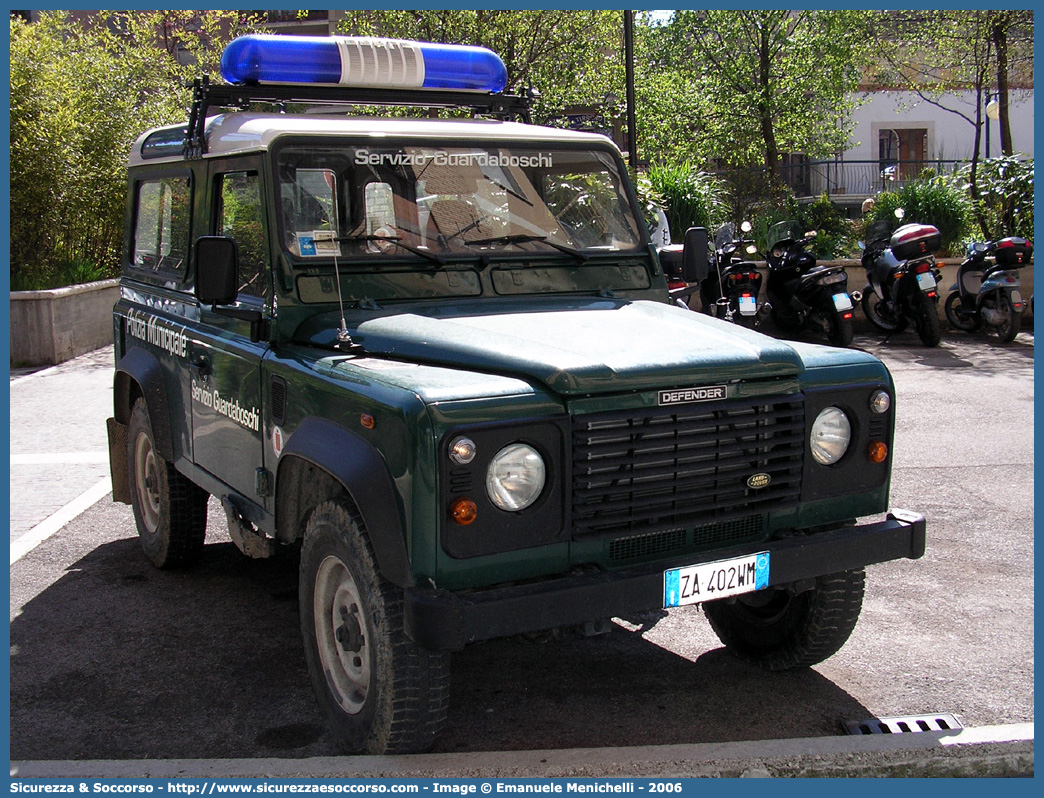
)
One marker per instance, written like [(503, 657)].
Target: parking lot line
[(54, 522)]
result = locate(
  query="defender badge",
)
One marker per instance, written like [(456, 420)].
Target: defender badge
[(684, 396), (759, 481)]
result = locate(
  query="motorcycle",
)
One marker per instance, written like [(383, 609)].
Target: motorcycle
[(804, 294), (987, 289), (685, 265), (902, 278), (731, 289)]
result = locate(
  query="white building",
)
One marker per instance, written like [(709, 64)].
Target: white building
[(897, 134)]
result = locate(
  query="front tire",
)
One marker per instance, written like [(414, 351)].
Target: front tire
[(880, 314), (381, 692), (926, 318), (170, 511), (779, 631), (967, 322)]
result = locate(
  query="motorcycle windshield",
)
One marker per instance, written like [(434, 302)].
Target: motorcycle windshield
[(726, 235), (783, 233), (877, 232)]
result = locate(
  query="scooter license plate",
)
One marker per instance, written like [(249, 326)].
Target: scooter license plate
[(715, 580), (842, 302), (1016, 299), (748, 306), (926, 281)]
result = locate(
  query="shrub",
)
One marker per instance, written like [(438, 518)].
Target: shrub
[(691, 198), (80, 95), (1006, 196), (936, 201), (835, 234)]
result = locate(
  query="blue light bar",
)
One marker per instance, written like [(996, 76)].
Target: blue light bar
[(362, 62)]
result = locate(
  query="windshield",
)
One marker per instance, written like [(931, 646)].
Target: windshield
[(725, 235), (413, 201), (784, 231)]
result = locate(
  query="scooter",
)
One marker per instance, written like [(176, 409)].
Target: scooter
[(731, 289), (902, 278), (803, 294), (987, 289)]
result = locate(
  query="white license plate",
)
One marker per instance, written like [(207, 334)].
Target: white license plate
[(842, 302), (926, 281), (715, 580), (748, 306)]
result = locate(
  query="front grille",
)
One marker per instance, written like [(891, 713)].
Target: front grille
[(656, 469), (722, 533)]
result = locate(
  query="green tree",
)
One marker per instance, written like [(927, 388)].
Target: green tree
[(771, 81), (572, 57), (80, 95), (952, 59)]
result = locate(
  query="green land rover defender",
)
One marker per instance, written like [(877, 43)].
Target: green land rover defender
[(438, 356)]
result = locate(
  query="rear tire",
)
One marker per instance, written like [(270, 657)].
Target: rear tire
[(840, 331), (926, 318), (381, 692), (1009, 327), (170, 511), (779, 631)]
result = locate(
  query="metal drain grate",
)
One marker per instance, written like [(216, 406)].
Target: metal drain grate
[(906, 724)]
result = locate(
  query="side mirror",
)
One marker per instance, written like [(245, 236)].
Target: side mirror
[(811, 234), (899, 213), (695, 263), (746, 227), (217, 270)]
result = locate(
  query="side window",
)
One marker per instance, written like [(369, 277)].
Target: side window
[(161, 230), (239, 217)]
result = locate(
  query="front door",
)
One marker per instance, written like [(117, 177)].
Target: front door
[(225, 366)]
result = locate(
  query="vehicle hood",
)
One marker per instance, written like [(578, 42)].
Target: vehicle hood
[(581, 348)]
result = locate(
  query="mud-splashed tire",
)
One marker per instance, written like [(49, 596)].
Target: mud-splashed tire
[(778, 631), (170, 511), (381, 692)]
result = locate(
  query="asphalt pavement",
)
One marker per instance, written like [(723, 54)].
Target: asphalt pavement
[(59, 470)]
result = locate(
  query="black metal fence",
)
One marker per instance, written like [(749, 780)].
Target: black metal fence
[(843, 178)]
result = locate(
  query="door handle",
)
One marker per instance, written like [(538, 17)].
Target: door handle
[(200, 364)]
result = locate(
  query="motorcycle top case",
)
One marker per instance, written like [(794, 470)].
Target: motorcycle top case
[(671, 261), (1013, 252), (915, 241)]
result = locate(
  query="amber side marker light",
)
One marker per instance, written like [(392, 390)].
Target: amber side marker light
[(463, 511), (877, 452)]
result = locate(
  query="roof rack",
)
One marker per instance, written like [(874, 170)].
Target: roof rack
[(206, 95)]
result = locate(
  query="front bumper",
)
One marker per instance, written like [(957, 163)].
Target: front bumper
[(440, 620)]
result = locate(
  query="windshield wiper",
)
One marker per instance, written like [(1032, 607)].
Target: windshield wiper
[(397, 241), (508, 189), (526, 238)]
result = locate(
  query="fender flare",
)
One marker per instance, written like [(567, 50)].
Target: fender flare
[(142, 367), (362, 472)]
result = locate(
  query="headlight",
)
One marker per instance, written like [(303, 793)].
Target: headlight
[(515, 477), (830, 437)]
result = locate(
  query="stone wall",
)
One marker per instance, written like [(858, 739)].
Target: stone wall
[(50, 327)]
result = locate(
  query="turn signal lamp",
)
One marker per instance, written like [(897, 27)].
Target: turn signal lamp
[(463, 511), (877, 452), (362, 61)]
